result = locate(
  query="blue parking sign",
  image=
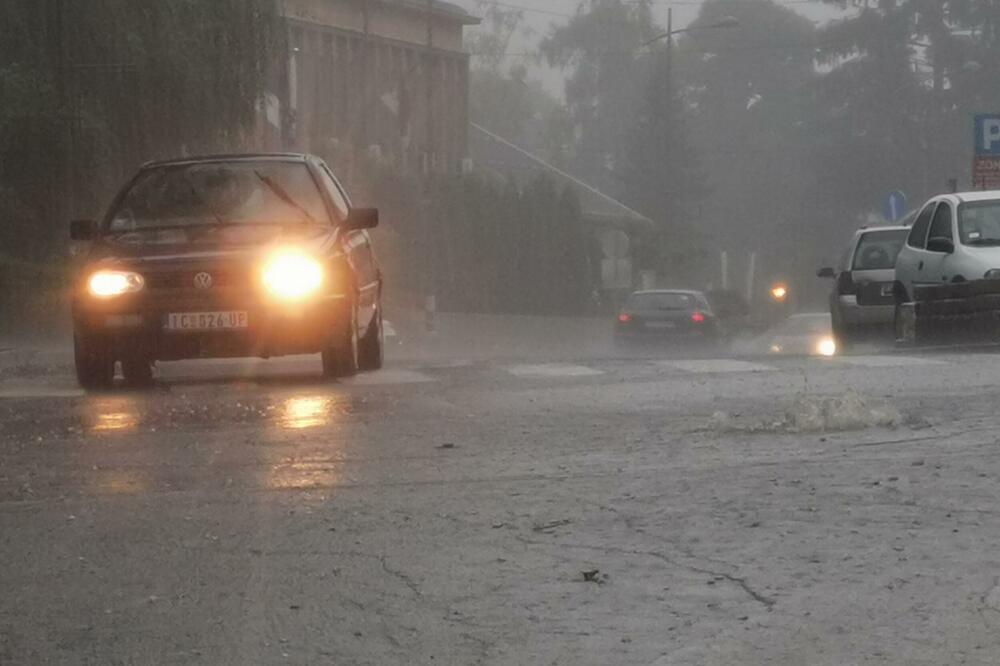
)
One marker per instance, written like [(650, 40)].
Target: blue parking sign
[(988, 134), (895, 207)]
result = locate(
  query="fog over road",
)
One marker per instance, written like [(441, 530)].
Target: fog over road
[(597, 510)]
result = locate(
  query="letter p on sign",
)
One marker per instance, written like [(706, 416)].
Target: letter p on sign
[(991, 134), (988, 135)]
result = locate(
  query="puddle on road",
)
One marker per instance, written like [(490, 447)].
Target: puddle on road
[(305, 412), (114, 415)]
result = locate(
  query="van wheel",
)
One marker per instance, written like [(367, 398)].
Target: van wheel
[(371, 353), (95, 366), (340, 359)]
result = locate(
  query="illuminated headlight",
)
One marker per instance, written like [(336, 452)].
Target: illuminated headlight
[(292, 275), (992, 274), (826, 347), (107, 284), (779, 292)]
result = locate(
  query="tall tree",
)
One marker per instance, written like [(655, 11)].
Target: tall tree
[(605, 82)]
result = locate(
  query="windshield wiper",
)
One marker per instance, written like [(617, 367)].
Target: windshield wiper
[(280, 192)]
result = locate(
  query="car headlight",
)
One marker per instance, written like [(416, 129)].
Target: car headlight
[(992, 274), (107, 284), (292, 275), (779, 293), (826, 347)]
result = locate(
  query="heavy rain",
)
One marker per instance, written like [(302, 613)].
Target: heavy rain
[(640, 332)]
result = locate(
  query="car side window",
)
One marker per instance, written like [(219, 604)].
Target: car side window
[(918, 234), (941, 226), (339, 202)]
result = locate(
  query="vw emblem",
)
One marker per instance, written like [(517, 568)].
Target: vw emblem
[(203, 280)]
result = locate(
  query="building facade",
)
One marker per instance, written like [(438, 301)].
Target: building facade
[(380, 80)]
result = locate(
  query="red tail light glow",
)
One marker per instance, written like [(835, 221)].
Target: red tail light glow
[(698, 318), (624, 317)]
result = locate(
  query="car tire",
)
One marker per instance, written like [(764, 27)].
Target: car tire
[(371, 352), (95, 365), (137, 371), (902, 337), (845, 336), (340, 359)]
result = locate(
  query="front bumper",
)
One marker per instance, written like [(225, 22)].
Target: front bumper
[(138, 325)]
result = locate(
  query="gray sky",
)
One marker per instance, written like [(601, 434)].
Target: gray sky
[(541, 15)]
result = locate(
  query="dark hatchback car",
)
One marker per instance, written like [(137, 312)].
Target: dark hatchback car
[(666, 315), (227, 256)]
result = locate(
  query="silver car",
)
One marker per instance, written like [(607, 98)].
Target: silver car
[(862, 299), (955, 238)]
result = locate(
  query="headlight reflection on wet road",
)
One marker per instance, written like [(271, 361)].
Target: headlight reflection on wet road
[(304, 412), (113, 415)]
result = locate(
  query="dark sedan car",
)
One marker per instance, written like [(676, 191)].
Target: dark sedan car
[(249, 255), (662, 315)]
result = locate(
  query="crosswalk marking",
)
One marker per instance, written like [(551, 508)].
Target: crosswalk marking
[(716, 365), (553, 370), (39, 391), (885, 361), (391, 376)]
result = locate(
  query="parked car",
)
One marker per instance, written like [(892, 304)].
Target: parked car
[(666, 315), (247, 255), (862, 300), (955, 238)]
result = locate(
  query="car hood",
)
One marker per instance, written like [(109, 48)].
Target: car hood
[(168, 245)]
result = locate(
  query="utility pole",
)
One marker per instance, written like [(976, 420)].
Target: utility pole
[(365, 75), (429, 72)]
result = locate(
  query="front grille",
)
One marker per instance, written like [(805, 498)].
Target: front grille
[(185, 280)]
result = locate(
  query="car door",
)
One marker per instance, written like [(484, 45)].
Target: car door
[(912, 258), (935, 269)]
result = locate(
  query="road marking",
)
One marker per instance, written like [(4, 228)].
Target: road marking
[(716, 365), (385, 377), (553, 370), (39, 391), (886, 361)]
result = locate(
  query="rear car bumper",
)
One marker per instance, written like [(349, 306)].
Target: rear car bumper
[(640, 333), (273, 329), (852, 314)]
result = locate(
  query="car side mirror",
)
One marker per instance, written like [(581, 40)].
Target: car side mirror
[(361, 218), (82, 230), (825, 272), (940, 244)]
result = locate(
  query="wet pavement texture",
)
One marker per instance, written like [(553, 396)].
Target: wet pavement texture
[(598, 510)]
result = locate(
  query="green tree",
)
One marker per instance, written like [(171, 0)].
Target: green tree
[(605, 82)]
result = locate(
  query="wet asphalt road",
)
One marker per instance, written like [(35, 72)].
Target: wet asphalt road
[(592, 511)]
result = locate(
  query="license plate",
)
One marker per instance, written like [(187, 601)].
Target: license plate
[(661, 324), (206, 321), (887, 290)]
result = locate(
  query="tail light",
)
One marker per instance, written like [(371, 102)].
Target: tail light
[(845, 284), (624, 318), (698, 318)]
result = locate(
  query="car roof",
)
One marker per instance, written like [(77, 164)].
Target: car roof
[(232, 157), (886, 227)]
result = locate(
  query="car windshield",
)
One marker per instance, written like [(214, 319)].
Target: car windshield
[(662, 301), (877, 250), (810, 323), (227, 193), (979, 222)]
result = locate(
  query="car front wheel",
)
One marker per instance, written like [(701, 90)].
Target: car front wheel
[(340, 359), (371, 354), (95, 365)]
